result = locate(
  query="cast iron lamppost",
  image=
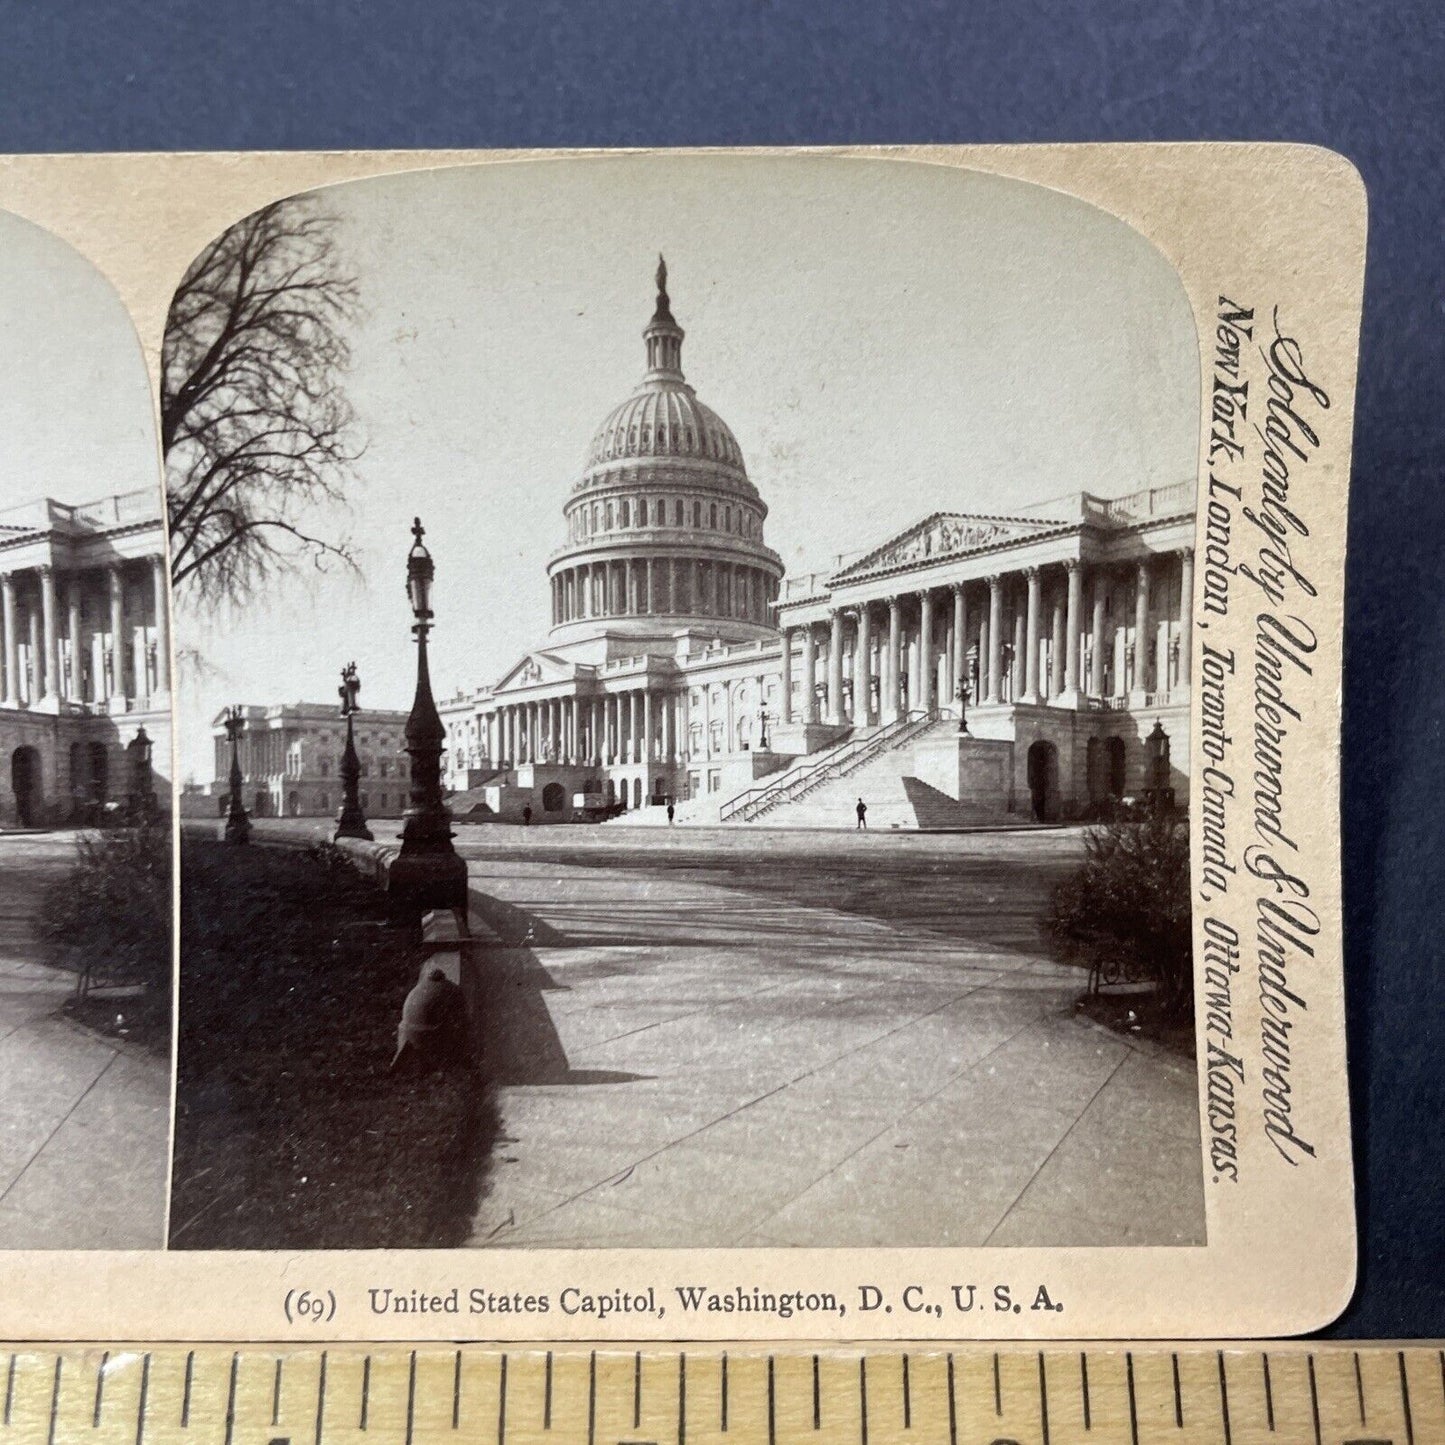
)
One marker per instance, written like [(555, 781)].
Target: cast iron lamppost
[(238, 824), (1160, 795), (350, 821), (427, 873), (142, 799)]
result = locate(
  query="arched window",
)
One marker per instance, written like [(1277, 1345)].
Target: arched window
[(610, 515), (727, 519), (642, 511), (697, 514), (712, 517), (626, 512), (677, 512)]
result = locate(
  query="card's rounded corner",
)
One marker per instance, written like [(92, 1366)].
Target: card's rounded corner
[(1335, 168), (1329, 1298)]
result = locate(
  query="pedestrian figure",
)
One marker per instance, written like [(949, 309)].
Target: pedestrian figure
[(862, 811), (527, 816), (671, 811)]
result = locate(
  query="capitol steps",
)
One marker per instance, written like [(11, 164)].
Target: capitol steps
[(706, 811), (895, 798)]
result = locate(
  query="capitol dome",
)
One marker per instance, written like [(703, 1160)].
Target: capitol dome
[(664, 529)]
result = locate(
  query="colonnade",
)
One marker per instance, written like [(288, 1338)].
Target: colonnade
[(668, 586), (631, 725), (79, 637), (1019, 637)]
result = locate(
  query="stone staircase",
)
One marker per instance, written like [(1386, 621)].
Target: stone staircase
[(895, 799), (705, 811)]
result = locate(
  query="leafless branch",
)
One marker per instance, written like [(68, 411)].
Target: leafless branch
[(259, 437)]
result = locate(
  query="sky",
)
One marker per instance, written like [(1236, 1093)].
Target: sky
[(885, 339), (75, 410)]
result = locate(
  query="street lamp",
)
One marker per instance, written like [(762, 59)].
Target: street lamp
[(763, 720), (962, 708), (238, 824), (427, 873), (142, 793), (1160, 794), (350, 821)]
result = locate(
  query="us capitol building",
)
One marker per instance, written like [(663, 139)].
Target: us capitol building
[(84, 656), (681, 663)]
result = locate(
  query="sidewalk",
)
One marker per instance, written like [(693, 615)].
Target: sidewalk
[(84, 1121)]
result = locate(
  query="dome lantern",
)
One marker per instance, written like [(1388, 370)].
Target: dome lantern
[(663, 335)]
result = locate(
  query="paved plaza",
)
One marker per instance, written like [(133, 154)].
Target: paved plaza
[(772, 1037), (84, 1121)]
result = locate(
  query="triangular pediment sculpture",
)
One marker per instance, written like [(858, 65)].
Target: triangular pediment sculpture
[(534, 668), (944, 534)]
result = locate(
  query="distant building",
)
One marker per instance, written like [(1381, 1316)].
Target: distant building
[(680, 663), (84, 655), (290, 756)]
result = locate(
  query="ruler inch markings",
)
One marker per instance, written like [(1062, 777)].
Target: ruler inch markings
[(1115, 1394)]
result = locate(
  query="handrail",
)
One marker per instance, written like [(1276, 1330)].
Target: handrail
[(845, 763), (837, 762)]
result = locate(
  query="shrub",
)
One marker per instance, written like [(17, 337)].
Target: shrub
[(109, 918), (1129, 902)]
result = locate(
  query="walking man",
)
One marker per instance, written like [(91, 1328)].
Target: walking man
[(862, 811), (671, 811)]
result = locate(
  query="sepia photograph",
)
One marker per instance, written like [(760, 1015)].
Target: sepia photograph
[(684, 680), (85, 793)]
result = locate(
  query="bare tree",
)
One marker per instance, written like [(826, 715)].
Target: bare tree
[(258, 435)]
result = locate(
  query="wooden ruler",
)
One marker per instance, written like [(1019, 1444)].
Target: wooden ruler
[(1289, 1394)]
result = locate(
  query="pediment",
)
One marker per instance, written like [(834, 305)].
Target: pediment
[(944, 534), (534, 670)]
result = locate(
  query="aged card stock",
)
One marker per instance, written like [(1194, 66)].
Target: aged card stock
[(750, 740)]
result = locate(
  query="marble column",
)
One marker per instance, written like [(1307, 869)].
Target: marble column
[(835, 668), (785, 702), (927, 673), (863, 670), (72, 631), (1016, 670), (995, 639), (1031, 644), (32, 686), (117, 633), (1096, 639), (668, 705), (1073, 622), (12, 646), (1186, 613), (960, 641), (894, 669), (1142, 640), (810, 674), (983, 656), (1056, 648), (647, 748), (51, 644), (138, 666), (160, 601)]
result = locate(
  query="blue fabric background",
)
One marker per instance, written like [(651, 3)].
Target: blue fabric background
[(1366, 80)]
